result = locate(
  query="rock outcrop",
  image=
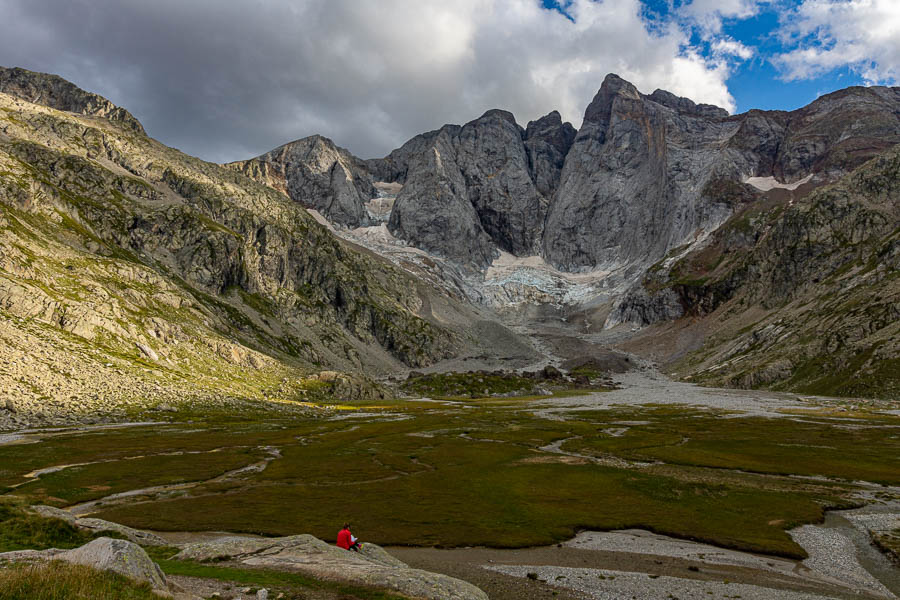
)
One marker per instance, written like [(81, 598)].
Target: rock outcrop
[(469, 190), (103, 554), (433, 210), (119, 556), (56, 92), (311, 556), (547, 142), (318, 175), (144, 538)]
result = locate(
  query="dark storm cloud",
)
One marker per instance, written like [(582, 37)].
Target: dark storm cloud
[(226, 80)]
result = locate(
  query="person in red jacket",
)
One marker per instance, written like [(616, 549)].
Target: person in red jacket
[(347, 540)]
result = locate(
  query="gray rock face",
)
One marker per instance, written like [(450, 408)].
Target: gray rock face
[(648, 173), (307, 554), (547, 141), (643, 175), (433, 210), (838, 132), (118, 556), (317, 174), (643, 308), (395, 166), (471, 190), (492, 158), (820, 269), (56, 92), (628, 188)]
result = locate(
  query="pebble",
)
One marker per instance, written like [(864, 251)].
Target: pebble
[(601, 584), (833, 554)]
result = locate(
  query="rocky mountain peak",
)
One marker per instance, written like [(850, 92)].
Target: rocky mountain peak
[(613, 86), (547, 142), (55, 92), (550, 121), (496, 113), (318, 174), (643, 175)]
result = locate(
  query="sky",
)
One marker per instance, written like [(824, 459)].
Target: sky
[(228, 80)]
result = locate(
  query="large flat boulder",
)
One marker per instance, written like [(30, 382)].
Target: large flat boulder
[(144, 538), (311, 556), (118, 556)]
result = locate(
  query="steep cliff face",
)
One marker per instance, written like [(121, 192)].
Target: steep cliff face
[(648, 173), (643, 175), (628, 189), (547, 142), (316, 174), (494, 203), (800, 292), (433, 210), (838, 132), (116, 248)]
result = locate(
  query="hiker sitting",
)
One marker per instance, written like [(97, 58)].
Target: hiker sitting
[(347, 540)]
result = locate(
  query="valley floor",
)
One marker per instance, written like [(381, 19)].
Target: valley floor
[(729, 469)]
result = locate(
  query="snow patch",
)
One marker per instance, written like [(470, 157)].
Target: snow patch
[(765, 184)]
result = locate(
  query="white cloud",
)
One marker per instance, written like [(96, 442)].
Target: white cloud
[(728, 47), (227, 80), (863, 35), (709, 14)]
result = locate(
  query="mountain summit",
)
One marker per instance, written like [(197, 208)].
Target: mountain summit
[(643, 175)]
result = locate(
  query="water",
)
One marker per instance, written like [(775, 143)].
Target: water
[(871, 559)]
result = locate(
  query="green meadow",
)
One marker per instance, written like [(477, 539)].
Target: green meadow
[(474, 471)]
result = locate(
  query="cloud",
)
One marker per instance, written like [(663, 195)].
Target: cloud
[(825, 35), (709, 14), (229, 80), (727, 47)]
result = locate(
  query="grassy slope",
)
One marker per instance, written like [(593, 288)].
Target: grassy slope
[(114, 234), (820, 274)]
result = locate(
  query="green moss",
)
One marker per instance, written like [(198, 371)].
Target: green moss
[(455, 476)]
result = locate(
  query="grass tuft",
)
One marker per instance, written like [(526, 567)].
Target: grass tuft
[(62, 581)]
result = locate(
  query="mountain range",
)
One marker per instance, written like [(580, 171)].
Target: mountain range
[(758, 249)]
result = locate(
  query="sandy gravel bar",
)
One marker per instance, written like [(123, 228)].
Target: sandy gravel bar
[(832, 554), (639, 541), (648, 386), (622, 585)]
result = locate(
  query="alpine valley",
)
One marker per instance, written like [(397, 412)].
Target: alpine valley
[(506, 352)]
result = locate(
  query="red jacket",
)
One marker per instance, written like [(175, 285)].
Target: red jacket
[(343, 539)]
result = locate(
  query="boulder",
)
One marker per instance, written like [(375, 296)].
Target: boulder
[(118, 556), (147, 351), (373, 566), (144, 538)]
